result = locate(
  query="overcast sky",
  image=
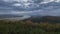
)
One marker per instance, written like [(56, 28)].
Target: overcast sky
[(30, 7)]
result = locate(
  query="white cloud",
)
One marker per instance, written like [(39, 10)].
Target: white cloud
[(17, 4), (16, 0), (47, 1), (25, 0), (57, 1), (11, 0), (35, 12), (21, 12)]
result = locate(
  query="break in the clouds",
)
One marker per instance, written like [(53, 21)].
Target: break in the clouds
[(30, 7)]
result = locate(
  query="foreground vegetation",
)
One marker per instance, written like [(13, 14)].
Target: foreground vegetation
[(27, 27)]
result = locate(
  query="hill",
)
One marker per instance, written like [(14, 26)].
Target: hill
[(45, 19)]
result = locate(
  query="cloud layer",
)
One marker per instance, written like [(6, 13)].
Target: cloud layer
[(30, 7)]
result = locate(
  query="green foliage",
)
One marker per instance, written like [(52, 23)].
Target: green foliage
[(27, 27)]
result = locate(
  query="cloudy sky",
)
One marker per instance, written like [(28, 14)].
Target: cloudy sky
[(30, 7)]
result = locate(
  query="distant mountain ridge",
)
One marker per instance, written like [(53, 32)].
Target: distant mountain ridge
[(9, 16), (45, 19)]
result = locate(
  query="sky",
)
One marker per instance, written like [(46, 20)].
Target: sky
[(30, 7)]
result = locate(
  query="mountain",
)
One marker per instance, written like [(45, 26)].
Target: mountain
[(51, 19), (9, 16)]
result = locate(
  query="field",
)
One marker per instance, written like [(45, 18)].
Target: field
[(28, 27)]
